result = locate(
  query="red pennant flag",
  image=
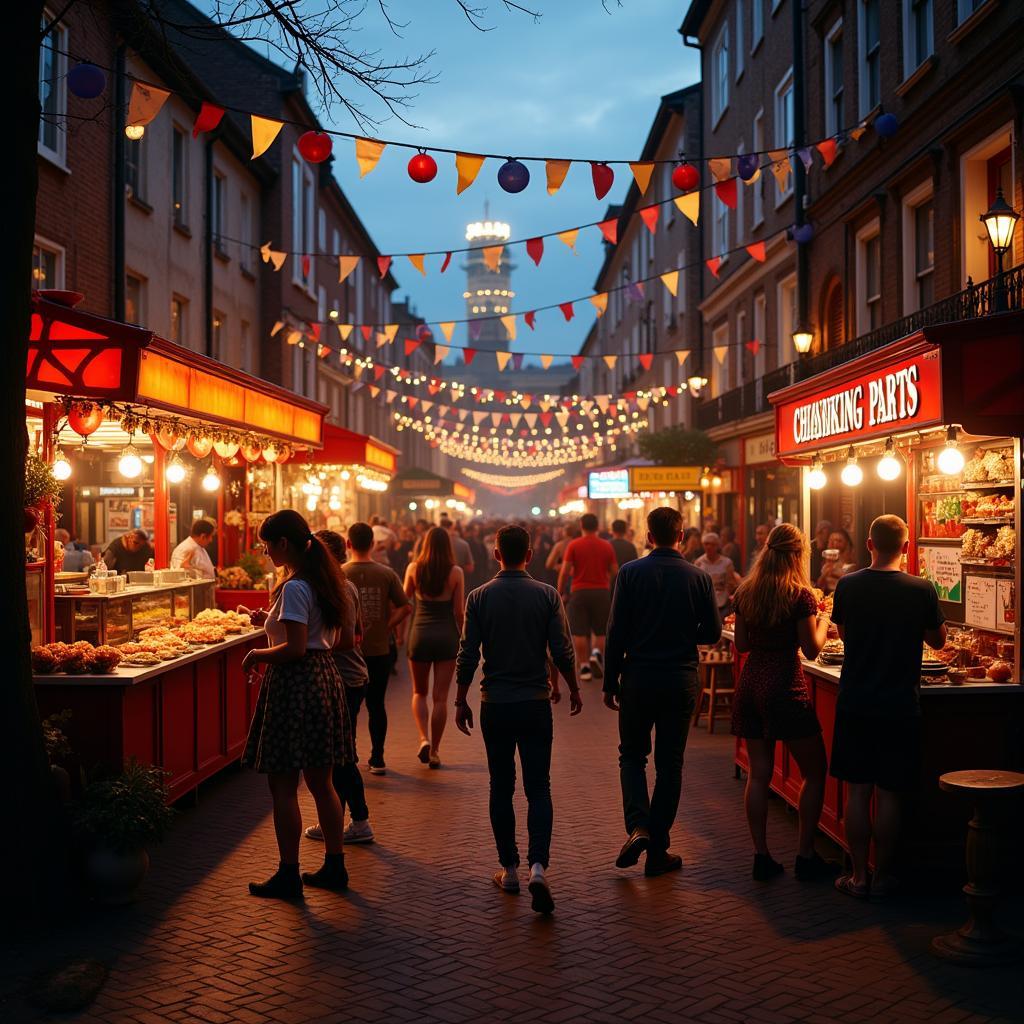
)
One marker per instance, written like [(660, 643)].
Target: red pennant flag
[(726, 192), (530, 318), (468, 354), (567, 310), (207, 119), (367, 330), (447, 260), (631, 395), (411, 344), (649, 215), (713, 264), (753, 346), (305, 266), (672, 391), (577, 361), (433, 388), (500, 395), (758, 251), (535, 249), (828, 150), (545, 418), (379, 371), (314, 332), (645, 361), (383, 265), (610, 230), (603, 177), (412, 401)]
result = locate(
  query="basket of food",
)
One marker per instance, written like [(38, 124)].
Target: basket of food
[(832, 653)]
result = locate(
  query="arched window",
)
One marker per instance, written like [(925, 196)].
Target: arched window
[(833, 325)]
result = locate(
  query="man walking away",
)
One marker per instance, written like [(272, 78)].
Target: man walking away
[(592, 564), (384, 605), (625, 549), (662, 609), (518, 620), (460, 549), (883, 616)]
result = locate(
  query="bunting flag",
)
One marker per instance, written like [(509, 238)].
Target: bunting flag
[(383, 265), (642, 175), (509, 323), (649, 215), (713, 264), (577, 361), (390, 331), (374, 391), (346, 264), (569, 237), (366, 330), (145, 103), (517, 364), (682, 354), (411, 402), (689, 206), (546, 361), (530, 318), (556, 172), (502, 360), (610, 361), (379, 370), (307, 264), (603, 177), (278, 324), (479, 417), (447, 328), (411, 344), (780, 167), (757, 251), (753, 346), (207, 119), (563, 419), (468, 167), (610, 230), (274, 258), (828, 150), (856, 133), (646, 360), (417, 261), (344, 330), (567, 310), (600, 302), (805, 157), (382, 339), (468, 354), (516, 417), (492, 256), (671, 281), (721, 168), (390, 396), (726, 192), (531, 419), (603, 402), (264, 131), (721, 351), (447, 260), (535, 249), (367, 154)]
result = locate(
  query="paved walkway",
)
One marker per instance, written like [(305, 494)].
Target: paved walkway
[(424, 937)]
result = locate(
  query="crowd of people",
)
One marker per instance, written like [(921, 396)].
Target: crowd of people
[(569, 608)]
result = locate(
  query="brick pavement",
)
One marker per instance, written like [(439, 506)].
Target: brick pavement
[(423, 936)]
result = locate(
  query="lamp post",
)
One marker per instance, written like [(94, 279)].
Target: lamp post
[(802, 340), (1000, 222)]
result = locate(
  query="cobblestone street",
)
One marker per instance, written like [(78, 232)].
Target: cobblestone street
[(424, 936)]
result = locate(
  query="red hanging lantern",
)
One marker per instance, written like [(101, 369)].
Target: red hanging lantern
[(685, 177), (85, 419), (315, 147), (168, 439), (422, 168), (251, 452), (200, 447)]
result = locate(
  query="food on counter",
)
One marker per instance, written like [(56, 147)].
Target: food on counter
[(230, 621), (1000, 672), (143, 659), (956, 676), (832, 653), (202, 633), (75, 659), (105, 659), (976, 672), (1000, 545), (45, 661), (989, 464)]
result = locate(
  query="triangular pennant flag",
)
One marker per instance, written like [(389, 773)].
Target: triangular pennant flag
[(516, 417), (502, 359), (366, 330), (757, 250), (517, 363), (383, 265), (527, 400), (828, 150), (145, 103), (713, 264), (780, 167), (577, 361), (689, 206), (721, 351), (567, 310), (535, 249), (382, 339), (440, 353), (753, 346), (563, 419), (374, 391), (531, 419), (857, 133), (603, 177), (682, 354), (468, 167), (390, 331), (411, 401), (447, 328), (278, 324), (314, 331), (426, 406), (642, 403), (646, 360), (726, 192), (496, 416), (379, 371), (417, 261), (509, 323), (306, 264), (530, 318), (272, 256), (642, 174), (463, 413), (264, 131), (671, 281), (346, 264), (546, 361), (806, 158), (610, 361), (492, 256), (357, 371), (411, 344), (467, 355), (600, 302), (556, 171), (649, 215), (479, 417), (610, 230), (207, 119), (569, 237), (474, 330), (721, 168), (344, 330), (368, 152), (447, 260), (604, 401)]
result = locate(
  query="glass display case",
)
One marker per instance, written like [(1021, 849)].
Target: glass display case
[(35, 587)]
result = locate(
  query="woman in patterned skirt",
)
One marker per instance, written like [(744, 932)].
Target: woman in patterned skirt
[(301, 720)]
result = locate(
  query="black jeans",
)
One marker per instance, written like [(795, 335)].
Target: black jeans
[(525, 725), (379, 668), (348, 780), (664, 705)]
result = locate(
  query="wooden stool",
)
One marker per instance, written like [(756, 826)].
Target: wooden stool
[(980, 942), (718, 694)]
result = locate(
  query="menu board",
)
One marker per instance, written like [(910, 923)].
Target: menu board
[(941, 567), (989, 603)]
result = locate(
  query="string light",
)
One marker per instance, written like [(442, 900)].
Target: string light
[(211, 481), (508, 481), (852, 474), (816, 478), (175, 471), (951, 459), (61, 466), (130, 464), (889, 467)]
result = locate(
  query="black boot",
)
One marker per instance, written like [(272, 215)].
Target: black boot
[(332, 875), (766, 867), (284, 884)]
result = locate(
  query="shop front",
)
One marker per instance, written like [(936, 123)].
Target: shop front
[(629, 492), (420, 494)]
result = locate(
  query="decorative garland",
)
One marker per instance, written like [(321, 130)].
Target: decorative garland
[(521, 481)]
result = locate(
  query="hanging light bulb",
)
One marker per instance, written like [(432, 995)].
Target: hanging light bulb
[(134, 131), (211, 481), (175, 471), (889, 465), (130, 463), (951, 459), (852, 474), (61, 467), (816, 478)]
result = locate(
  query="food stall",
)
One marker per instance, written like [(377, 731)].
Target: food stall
[(146, 666), (420, 494), (632, 490), (933, 423)]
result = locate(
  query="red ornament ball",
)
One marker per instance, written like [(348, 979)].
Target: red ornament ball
[(685, 177), (85, 419), (422, 168), (315, 147)]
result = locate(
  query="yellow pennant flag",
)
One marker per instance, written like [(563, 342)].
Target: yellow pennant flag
[(346, 264), (447, 328), (671, 281), (278, 324), (382, 339), (856, 133), (546, 362), (780, 166), (264, 131), (416, 259), (610, 361), (556, 172), (600, 302), (502, 358), (689, 206), (569, 237), (390, 330), (509, 323), (492, 256), (344, 330), (721, 351), (273, 257), (642, 174), (682, 354), (721, 168), (468, 166), (145, 103), (368, 153), (440, 353)]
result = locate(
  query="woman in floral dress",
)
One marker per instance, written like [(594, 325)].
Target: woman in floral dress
[(301, 720)]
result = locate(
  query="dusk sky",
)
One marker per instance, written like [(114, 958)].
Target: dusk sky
[(580, 83)]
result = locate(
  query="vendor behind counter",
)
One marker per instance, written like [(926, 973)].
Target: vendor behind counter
[(129, 553)]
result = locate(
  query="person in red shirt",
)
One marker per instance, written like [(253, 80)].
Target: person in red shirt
[(592, 563)]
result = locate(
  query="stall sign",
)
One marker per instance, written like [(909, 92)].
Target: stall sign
[(420, 484), (941, 567), (379, 457), (902, 395), (759, 449), (665, 478), (608, 483), (989, 603)]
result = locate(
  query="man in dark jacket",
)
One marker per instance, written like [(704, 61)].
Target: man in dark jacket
[(663, 607)]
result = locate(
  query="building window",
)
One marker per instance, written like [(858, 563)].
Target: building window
[(219, 336), (741, 191), (787, 318), (741, 17), (135, 169), (756, 24), (917, 34), (834, 79), (760, 329), (832, 319), (741, 352), (179, 317), (869, 278), (720, 76), (246, 232), (784, 128), (47, 266), (758, 187), (965, 8), (219, 200), (918, 248), (869, 47), (984, 168), (53, 91), (719, 228), (179, 177), (303, 221), (321, 229), (134, 299)]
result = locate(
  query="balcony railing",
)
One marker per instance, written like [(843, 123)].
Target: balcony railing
[(973, 302)]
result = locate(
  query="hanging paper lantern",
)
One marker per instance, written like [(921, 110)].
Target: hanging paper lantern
[(685, 177), (225, 449), (271, 453), (251, 452), (747, 165), (803, 233), (86, 81), (513, 176), (603, 177), (315, 147), (886, 125), (85, 419), (168, 439), (199, 446), (422, 168)]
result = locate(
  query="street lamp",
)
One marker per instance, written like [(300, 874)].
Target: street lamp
[(696, 383), (802, 340), (1000, 222)]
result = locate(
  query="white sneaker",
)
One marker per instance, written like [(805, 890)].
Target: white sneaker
[(540, 891), (314, 832), (358, 832), (585, 674), (597, 663), (507, 880)]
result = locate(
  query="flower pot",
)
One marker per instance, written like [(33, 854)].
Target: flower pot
[(115, 875), (227, 600)]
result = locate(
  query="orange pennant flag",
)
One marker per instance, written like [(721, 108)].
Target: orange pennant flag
[(721, 351), (509, 323), (610, 361), (447, 328), (758, 251), (416, 259), (346, 264), (600, 302), (671, 281), (689, 206), (545, 361), (642, 174), (610, 230), (273, 257), (264, 131), (856, 133), (368, 152), (649, 215), (390, 330), (721, 168), (468, 167), (492, 256), (440, 353), (682, 354), (828, 150), (713, 264), (556, 172), (145, 103), (502, 359), (344, 330), (569, 237)]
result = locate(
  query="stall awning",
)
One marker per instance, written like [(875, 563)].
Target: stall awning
[(346, 447), (422, 483), (81, 355)]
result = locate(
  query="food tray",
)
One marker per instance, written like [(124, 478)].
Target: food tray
[(107, 584), (164, 576)]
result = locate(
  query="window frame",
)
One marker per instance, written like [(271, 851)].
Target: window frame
[(758, 144), (719, 370), (911, 203), (720, 221), (181, 303), (132, 275), (785, 317), (59, 253), (782, 90), (741, 11), (912, 60), (864, 98), (868, 233), (55, 40), (719, 78), (760, 321), (833, 41), (756, 25), (218, 206), (246, 258), (303, 223)]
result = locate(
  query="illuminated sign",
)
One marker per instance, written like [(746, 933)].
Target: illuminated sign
[(608, 483), (665, 478), (759, 449)]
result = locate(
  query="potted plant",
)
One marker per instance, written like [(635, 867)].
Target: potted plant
[(121, 815), (244, 583), (41, 486)]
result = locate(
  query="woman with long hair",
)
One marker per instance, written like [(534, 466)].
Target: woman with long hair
[(436, 585), (301, 722), (776, 618)]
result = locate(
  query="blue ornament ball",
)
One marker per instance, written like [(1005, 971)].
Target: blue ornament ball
[(747, 165), (886, 125), (513, 176), (803, 233), (86, 81)]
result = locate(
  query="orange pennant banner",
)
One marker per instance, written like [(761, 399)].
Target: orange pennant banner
[(368, 153), (468, 167), (642, 175), (556, 172)]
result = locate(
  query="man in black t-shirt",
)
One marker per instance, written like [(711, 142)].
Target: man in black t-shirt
[(884, 617), (625, 549)]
